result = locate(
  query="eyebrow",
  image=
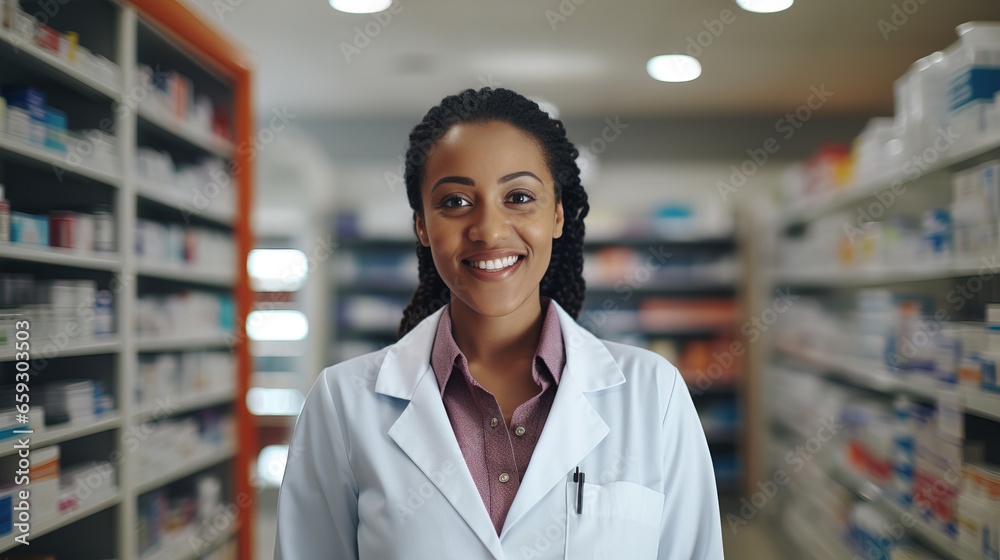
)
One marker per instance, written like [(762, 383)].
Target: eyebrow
[(470, 183)]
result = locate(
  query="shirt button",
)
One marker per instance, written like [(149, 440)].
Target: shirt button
[(519, 431), (504, 477), (494, 422)]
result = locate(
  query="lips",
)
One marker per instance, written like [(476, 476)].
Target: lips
[(494, 265)]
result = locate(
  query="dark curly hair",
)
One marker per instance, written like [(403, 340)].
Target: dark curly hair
[(563, 280)]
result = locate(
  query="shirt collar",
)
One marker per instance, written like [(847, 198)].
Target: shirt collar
[(551, 349)]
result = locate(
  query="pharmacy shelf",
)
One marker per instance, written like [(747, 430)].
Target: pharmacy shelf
[(839, 277), (59, 256), (201, 460), (400, 289), (62, 432), (961, 152), (169, 196), (176, 342), (181, 130), (47, 525), (109, 344), (192, 275), (14, 45), (655, 242), (667, 331), (920, 529), (662, 287), (170, 406), (812, 541), (55, 161), (876, 376), (184, 550)]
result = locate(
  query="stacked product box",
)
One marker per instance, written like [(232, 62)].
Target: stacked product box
[(64, 46), (58, 310), (173, 243), (26, 113), (83, 482), (173, 95), (975, 209), (192, 312), (44, 477), (74, 400), (162, 376)]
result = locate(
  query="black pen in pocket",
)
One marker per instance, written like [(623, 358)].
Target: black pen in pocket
[(578, 479)]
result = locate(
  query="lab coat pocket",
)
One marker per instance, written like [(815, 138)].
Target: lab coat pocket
[(619, 520)]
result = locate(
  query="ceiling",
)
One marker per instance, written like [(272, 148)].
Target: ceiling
[(591, 61)]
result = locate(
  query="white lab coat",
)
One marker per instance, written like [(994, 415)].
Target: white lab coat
[(374, 469)]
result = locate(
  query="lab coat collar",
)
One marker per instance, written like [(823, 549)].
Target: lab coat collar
[(410, 357), (572, 430)]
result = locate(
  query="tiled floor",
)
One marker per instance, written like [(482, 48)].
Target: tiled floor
[(752, 542)]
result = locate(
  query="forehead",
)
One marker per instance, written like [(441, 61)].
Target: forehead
[(492, 147)]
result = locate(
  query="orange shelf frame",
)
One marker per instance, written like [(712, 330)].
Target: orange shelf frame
[(211, 44)]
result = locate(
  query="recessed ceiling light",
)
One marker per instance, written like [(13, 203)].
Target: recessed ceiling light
[(765, 6), (673, 68), (360, 6)]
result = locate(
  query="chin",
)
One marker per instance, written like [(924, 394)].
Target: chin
[(491, 305)]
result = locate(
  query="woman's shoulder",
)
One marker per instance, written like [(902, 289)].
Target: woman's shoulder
[(638, 358), (644, 369), (353, 373)]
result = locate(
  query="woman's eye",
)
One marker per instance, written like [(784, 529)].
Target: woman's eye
[(454, 202), (521, 198)]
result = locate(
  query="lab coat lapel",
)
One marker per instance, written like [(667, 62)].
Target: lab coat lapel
[(424, 432), (573, 427)]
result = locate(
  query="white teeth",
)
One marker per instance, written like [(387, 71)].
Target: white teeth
[(495, 264)]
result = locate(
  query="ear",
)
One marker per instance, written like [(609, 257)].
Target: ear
[(422, 230), (559, 221)]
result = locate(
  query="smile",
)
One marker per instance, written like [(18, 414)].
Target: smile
[(495, 264)]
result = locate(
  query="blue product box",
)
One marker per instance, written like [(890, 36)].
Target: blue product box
[(55, 129), (30, 99), (28, 228), (972, 84), (7, 511)]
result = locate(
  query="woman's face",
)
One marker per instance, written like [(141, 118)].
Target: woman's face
[(490, 214)]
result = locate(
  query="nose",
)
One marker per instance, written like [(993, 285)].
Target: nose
[(490, 224)]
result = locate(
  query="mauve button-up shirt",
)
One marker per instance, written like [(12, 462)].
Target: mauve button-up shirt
[(497, 454)]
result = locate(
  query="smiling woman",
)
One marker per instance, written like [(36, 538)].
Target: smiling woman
[(473, 435)]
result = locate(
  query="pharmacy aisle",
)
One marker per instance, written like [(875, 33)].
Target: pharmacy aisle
[(123, 229), (883, 395)]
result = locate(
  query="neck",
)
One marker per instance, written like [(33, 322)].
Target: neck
[(493, 340)]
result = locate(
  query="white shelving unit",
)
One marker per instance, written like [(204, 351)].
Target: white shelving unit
[(966, 149), (47, 525), (132, 33), (925, 279)]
